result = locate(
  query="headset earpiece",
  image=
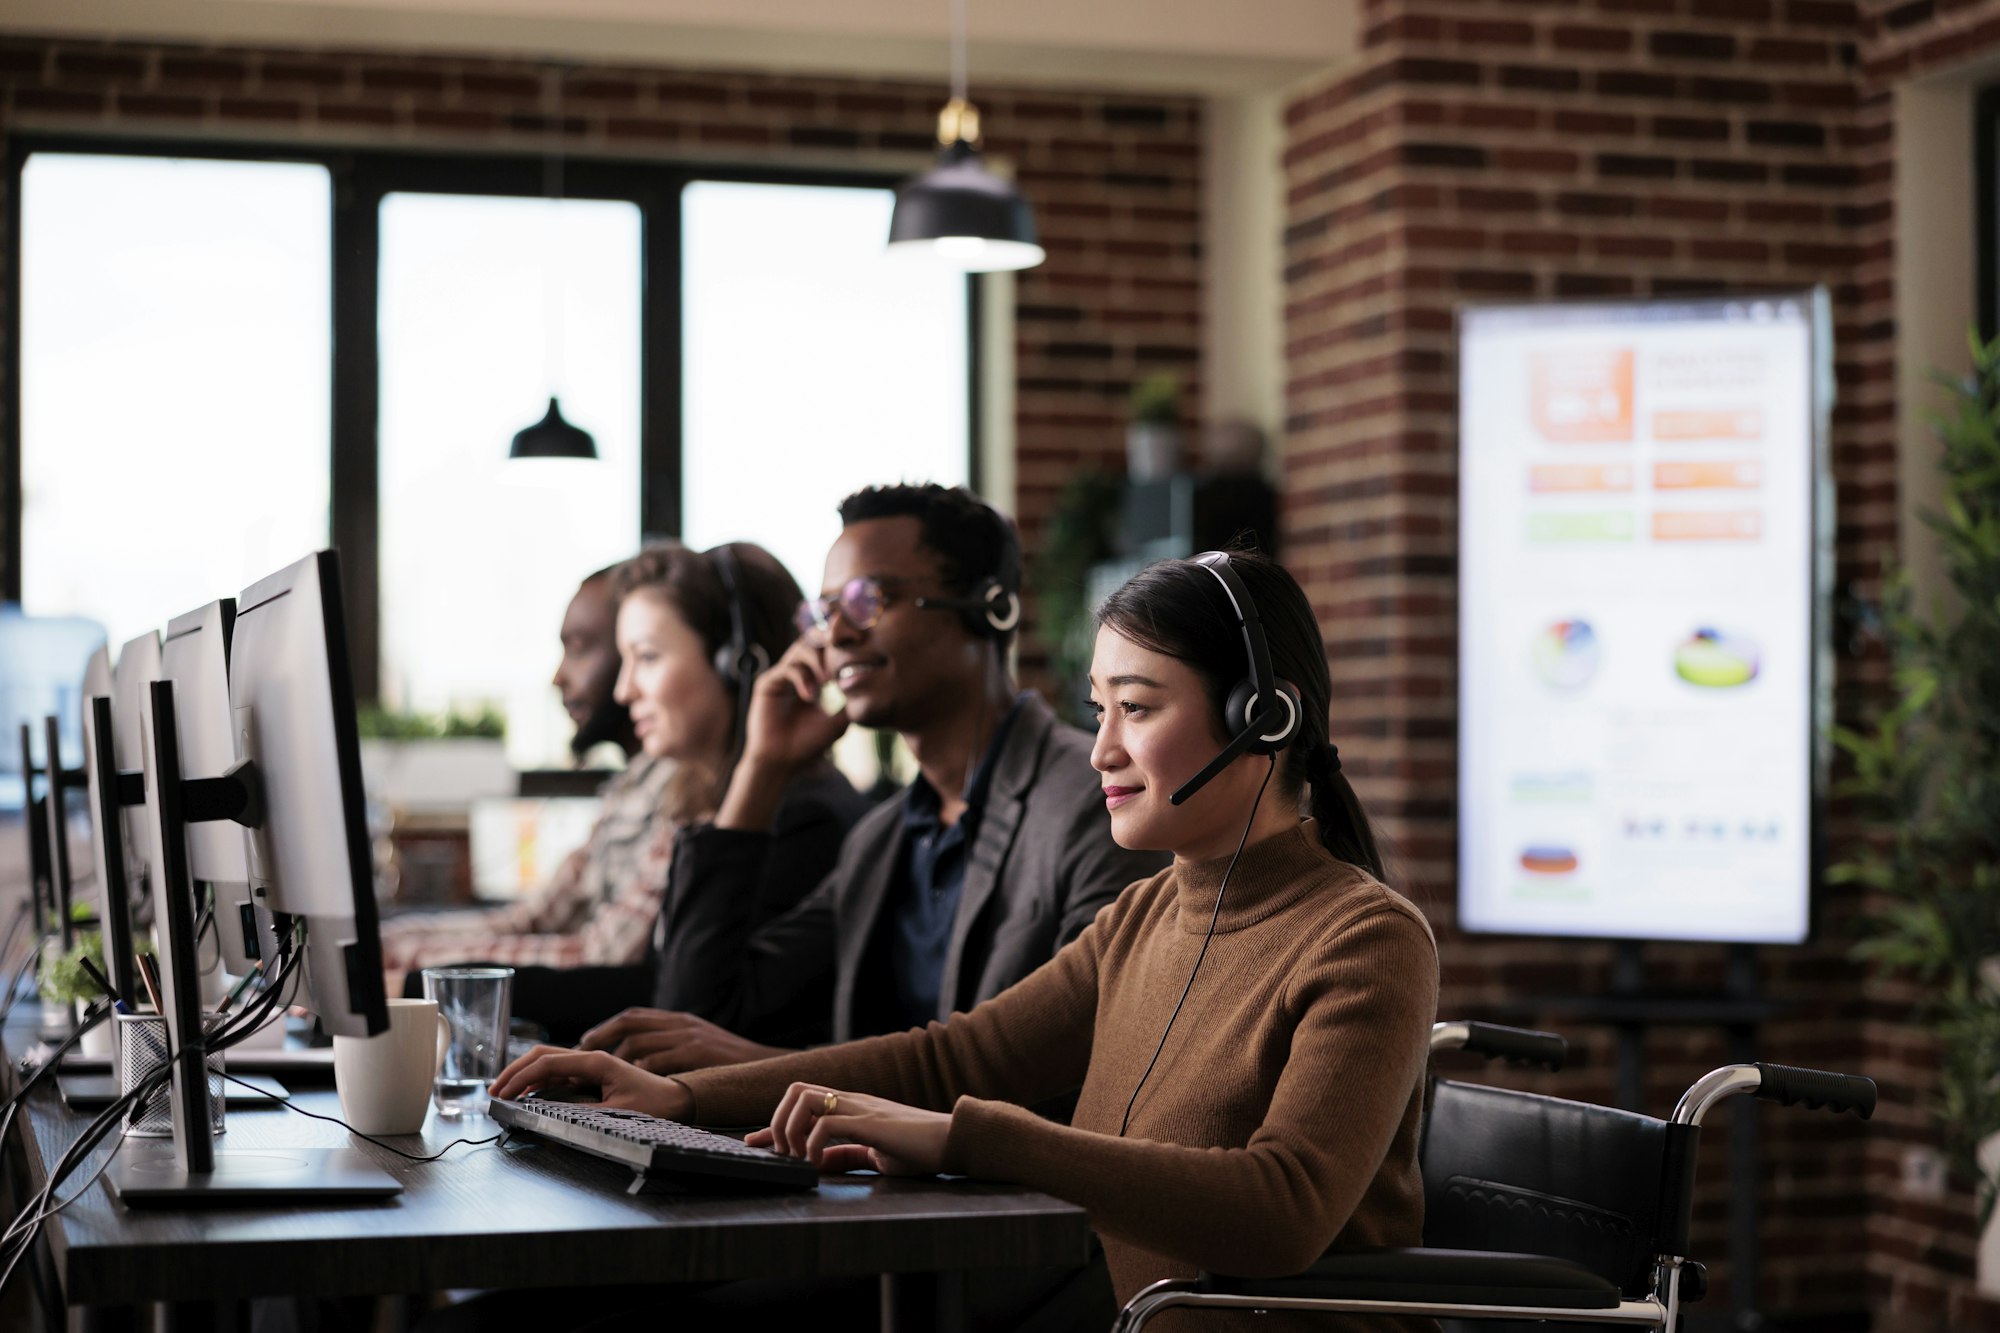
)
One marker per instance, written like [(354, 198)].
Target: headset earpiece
[(737, 664), (1241, 714), (991, 609)]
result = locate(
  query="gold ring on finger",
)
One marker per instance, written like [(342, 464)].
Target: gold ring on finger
[(830, 1103)]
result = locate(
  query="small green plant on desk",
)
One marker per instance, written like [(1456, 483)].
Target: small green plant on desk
[(1927, 774)]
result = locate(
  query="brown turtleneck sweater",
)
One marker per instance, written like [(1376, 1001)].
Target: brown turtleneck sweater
[(1281, 1119)]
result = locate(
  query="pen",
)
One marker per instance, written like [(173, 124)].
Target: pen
[(103, 984), (152, 986), (236, 991)]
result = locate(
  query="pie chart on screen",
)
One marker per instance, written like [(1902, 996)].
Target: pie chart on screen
[(1716, 660), (1566, 654)]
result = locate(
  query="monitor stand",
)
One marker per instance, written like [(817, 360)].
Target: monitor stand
[(149, 1175)]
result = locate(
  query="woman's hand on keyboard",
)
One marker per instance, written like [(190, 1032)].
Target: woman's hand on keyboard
[(862, 1133), (618, 1084)]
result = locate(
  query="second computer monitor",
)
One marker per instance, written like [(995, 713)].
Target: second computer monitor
[(195, 657), (138, 667), (292, 691)]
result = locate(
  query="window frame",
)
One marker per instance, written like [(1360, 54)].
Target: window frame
[(360, 178)]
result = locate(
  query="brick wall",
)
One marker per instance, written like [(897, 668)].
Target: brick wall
[(1115, 178), (1521, 151)]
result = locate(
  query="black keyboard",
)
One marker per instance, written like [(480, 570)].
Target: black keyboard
[(656, 1148)]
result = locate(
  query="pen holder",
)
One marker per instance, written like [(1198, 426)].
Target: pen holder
[(142, 1048)]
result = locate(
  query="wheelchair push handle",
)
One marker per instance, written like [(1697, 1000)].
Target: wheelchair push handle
[(1521, 1046), (1816, 1088)]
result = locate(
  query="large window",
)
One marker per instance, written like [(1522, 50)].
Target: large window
[(226, 360), (489, 306), (174, 390), (811, 356)]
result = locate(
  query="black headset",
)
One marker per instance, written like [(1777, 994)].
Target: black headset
[(991, 610), (740, 661), (1261, 710)]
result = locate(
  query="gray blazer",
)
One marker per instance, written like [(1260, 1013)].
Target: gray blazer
[(1041, 866)]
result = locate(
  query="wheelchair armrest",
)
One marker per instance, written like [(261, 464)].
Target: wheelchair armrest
[(1464, 1277)]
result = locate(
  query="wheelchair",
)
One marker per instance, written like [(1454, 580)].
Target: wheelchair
[(1536, 1209)]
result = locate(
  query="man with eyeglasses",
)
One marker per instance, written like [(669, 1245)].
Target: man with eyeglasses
[(994, 857)]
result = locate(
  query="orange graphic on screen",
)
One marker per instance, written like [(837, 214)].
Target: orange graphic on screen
[(1708, 525), (1582, 395), (1730, 424), (1562, 478), (1742, 475)]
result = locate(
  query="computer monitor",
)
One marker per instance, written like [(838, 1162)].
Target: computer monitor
[(194, 655), (109, 792), (137, 668), (296, 789), (292, 692)]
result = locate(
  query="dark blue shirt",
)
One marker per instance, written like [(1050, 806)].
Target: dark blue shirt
[(923, 901)]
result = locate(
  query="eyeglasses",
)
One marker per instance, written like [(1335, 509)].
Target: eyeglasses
[(861, 603)]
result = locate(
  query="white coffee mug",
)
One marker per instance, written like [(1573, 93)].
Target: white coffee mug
[(384, 1081)]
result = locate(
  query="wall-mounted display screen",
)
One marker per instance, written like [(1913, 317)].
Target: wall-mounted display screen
[(1644, 510)]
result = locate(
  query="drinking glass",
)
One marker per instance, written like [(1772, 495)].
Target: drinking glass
[(476, 1002)]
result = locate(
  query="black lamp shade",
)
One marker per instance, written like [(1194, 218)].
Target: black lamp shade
[(962, 214), (552, 437)]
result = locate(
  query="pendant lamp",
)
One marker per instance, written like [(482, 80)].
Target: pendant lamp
[(552, 437), (958, 213)]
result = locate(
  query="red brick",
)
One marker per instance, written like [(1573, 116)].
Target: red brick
[(1731, 251), (85, 64), (205, 70), (161, 106), (336, 114), (1551, 161), (58, 99), (260, 108), (293, 71), (395, 79), (1577, 37), (743, 135), (1595, 122)]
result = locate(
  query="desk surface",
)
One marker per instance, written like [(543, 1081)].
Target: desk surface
[(521, 1216)]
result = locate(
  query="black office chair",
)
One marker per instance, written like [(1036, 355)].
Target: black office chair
[(1536, 1208)]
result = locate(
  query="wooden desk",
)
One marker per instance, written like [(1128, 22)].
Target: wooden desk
[(523, 1216)]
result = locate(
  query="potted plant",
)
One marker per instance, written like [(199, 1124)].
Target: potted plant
[(1928, 773), (1153, 440), (1082, 532), (435, 762), (64, 982)]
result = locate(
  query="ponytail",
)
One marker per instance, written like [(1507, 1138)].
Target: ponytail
[(1344, 829)]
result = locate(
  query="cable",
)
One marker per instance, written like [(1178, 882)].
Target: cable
[(336, 1120), (1213, 917)]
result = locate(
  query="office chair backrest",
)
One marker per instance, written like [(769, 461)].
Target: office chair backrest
[(1515, 1171)]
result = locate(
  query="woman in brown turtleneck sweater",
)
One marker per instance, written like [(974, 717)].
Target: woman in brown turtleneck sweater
[(1279, 1115)]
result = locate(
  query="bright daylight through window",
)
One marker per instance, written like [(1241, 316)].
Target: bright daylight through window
[(175, 344)]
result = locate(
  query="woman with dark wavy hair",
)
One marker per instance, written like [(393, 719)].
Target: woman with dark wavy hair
[(1247, 1031)]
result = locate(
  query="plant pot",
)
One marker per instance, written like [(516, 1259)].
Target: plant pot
[(436, 776), (1152, 450), (97, 1042)]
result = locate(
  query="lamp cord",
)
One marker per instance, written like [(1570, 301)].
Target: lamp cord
[(958, 49)]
